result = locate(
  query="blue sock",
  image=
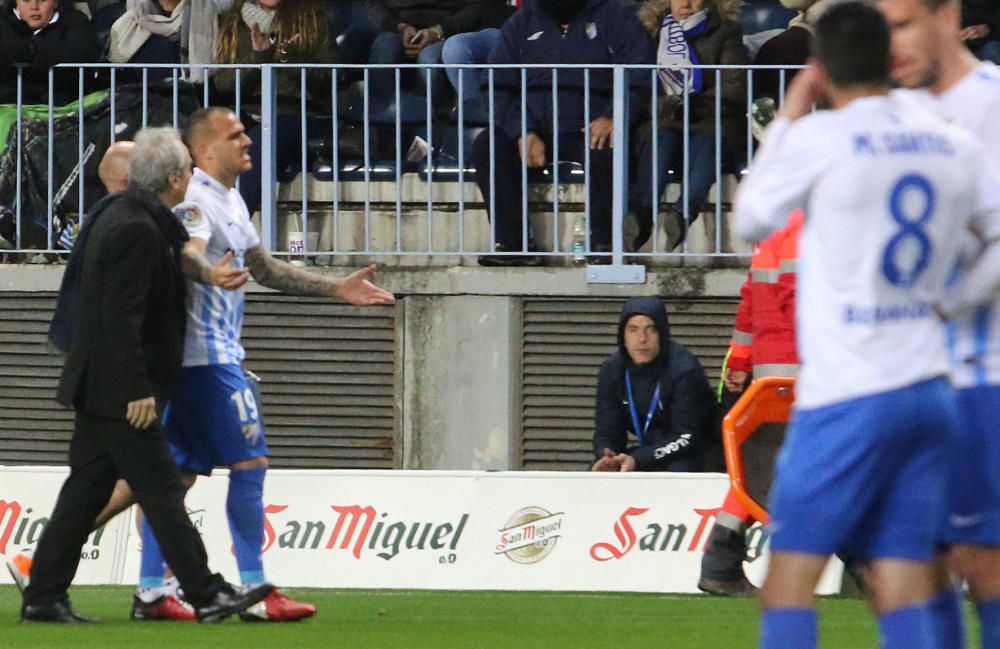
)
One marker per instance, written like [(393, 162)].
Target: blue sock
[(911, 627), (245, 509), (788, 628), (152, 566), (989, 622), (946, 609)]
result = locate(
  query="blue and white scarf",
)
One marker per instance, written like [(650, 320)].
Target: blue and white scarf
[(675, 52)]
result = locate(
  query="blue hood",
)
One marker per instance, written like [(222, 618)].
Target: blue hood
[(653, 308)]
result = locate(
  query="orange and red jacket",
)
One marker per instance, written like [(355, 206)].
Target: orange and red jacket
[(764, 336)]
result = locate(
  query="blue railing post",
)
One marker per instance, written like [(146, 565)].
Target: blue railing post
[(618, 272), (268, 176)]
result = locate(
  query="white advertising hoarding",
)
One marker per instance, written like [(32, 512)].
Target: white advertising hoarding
[(433, 529)]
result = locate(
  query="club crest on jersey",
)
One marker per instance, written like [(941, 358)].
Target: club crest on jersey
[(189, 214)]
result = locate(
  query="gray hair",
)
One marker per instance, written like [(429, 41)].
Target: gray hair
[(158, 154)]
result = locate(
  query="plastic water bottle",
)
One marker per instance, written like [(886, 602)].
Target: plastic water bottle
[(580, 241)]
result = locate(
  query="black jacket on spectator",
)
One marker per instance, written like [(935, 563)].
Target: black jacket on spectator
[(680, 431), (604, 33), (70, 39), (454, 16), (126, 314)]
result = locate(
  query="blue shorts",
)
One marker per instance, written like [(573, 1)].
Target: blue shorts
[(974, 488), (866, 478), (214, 418)]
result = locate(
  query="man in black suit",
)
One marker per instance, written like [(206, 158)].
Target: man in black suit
[(124, 296)]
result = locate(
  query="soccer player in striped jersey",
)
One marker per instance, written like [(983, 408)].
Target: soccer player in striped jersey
[(929, 56), (214, 418), (885, 188)]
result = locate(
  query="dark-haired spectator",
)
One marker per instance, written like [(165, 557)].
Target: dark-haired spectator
[(475, 48), (39, 34), (791, 47), (277, 31), (655, 389), (598, 32), (414, 31), (688, 32), (981, 28), (167, 31)]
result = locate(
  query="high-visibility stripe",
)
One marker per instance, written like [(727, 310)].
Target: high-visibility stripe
[(742, 338), (775, 369), (764, 275), (788, 266)]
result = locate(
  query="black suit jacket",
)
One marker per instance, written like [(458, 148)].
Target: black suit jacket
[(127, 313)]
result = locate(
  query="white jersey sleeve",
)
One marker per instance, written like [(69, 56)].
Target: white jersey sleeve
[(781, 177), (194, 221)]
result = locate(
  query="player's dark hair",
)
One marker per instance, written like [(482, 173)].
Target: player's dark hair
[(852, 43), (199, 123)]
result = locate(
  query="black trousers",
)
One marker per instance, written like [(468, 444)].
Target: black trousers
[(101, 451), (508, 215)]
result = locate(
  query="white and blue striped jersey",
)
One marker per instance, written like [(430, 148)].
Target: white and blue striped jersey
[(218, 215), (885, 186), (974, 104)]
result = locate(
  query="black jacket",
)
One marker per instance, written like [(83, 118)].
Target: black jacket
[(70, 39), (680, 430), (126, 310), (454, 16)]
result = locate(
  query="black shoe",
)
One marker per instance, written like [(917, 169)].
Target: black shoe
[(740, 587), (635, 232), (58, 613), (722, 563), (509, 260), (229, 600)]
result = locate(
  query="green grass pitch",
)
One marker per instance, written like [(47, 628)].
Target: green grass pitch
[(386, 619)]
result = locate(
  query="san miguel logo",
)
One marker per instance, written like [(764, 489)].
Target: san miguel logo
[(20, 529), (530, 534), (362, 530), (667, 536)]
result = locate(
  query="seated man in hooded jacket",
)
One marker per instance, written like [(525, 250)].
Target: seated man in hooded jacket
[(655, 390)]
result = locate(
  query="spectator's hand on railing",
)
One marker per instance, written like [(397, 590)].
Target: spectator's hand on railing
[(602, 133), (608, 462), (532, 150)]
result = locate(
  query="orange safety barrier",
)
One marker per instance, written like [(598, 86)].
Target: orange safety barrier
[(767, 400)]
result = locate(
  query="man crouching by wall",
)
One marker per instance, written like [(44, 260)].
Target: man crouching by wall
[(655, 389)]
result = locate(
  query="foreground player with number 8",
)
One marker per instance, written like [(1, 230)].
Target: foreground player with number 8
[(214, 417), (887, 190)]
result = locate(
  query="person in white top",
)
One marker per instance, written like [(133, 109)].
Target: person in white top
[(885, 189), (214, 417), (929, 56)]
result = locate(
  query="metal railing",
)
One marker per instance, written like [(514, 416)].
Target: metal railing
[(379, 204)]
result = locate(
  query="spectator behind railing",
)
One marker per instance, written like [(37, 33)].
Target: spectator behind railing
[(167, 31), (791, 47), (710, 35), (981, 28), (598, 32), (414, 30), (654, 388), (40, 34), (472, 48), (277, 31)]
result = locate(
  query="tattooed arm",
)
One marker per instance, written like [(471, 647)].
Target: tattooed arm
[(356, 288), (198, 268)]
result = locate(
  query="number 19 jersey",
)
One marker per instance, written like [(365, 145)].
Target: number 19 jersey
[(887, 190)]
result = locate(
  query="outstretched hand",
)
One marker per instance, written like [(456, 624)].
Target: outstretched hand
[(359, 290), (227, 277)]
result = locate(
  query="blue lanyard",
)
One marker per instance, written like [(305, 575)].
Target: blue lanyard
[(640, 432)]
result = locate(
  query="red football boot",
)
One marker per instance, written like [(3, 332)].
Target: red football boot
[(278, 607), (165, 607)]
